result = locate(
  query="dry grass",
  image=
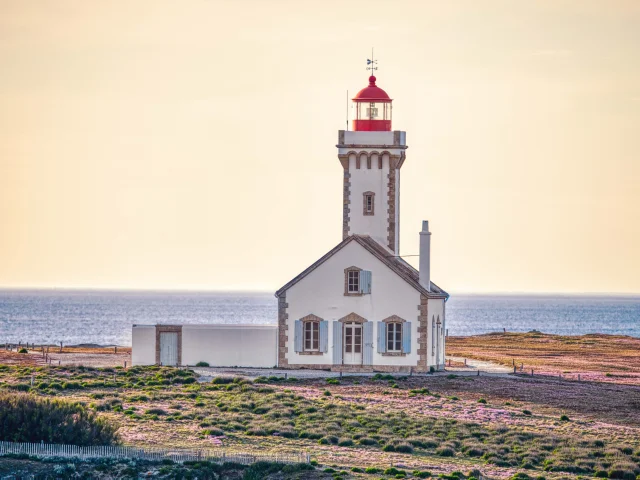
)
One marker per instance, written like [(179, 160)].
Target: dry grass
[(87, 356), (609, 358)]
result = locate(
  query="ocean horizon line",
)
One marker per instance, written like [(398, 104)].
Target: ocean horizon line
[(262, 291)]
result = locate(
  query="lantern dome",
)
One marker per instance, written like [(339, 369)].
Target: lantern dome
[(372, 109), (372, 93)]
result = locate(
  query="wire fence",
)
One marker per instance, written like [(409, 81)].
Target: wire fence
[(147, 453)]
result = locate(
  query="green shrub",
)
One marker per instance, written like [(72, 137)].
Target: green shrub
[(526, 412), (202, 364), (445, 452), (394, 471), (23, 350), (404, 448), (27, 418), (345, 442), (372, 470), (564, 418), (602, 474), (367, 441), (482, 400), (333, 381)]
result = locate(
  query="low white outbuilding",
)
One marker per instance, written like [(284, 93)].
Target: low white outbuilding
[(220, 345)]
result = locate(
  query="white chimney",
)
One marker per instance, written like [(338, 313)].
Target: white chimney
[(425, 256)]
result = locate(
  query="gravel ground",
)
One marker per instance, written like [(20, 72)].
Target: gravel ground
[(473, 366)]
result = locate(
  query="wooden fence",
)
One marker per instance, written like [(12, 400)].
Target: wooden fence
[(148, 453)]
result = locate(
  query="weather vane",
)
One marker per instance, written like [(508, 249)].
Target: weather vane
[(371, 63)]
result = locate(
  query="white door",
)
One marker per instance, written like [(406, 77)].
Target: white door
[(353, 344), (169, 349)]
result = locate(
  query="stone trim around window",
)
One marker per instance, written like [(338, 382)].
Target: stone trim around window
[(364, 203), (394, 319), (388, 320), (169, 328), (346, 282), (307, 319), (353, 318)]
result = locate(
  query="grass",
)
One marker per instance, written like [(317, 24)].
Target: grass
[(352, 422)]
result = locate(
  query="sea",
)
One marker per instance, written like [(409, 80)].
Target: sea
[(105, 317)]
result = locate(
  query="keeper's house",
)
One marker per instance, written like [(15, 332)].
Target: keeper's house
[(360, 307)]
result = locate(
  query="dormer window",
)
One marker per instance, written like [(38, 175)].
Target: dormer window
[(368, 203)]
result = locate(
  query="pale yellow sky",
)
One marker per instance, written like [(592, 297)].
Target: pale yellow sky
[(191, 144)]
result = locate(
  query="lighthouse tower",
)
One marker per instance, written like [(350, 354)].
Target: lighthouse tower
[(371, 156)]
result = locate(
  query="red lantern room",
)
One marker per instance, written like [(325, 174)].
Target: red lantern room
[(373, 109)]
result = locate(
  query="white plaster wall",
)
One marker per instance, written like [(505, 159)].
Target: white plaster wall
[(230, 345), (372, 138), (143, 345), (322, 293), (435, 308), (374, 180)]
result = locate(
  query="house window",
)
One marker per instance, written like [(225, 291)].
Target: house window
[(394, 337), (311, 336), (368, 205), (353, 281), (357, 282)]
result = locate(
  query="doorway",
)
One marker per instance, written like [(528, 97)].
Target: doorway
[(353, 344), (169, 349)]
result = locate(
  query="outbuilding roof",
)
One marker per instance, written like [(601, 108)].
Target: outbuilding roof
[(397, 264)]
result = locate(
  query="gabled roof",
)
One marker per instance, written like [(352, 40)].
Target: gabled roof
[(396, 264)]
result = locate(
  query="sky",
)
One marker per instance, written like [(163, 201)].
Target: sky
[(168, 144)]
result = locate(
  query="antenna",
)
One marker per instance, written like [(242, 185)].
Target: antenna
[(371, 63), (347, 110)]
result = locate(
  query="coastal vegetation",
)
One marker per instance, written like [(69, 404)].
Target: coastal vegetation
[(34, 419), (355, 427), (592, 357)]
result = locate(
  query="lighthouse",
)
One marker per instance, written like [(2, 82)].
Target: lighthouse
[(361, 307), (371, 156)]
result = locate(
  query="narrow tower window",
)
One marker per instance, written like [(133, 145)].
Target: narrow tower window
[(368, 206)]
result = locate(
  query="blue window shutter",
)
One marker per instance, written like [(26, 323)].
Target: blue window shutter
[(382, 337), (365, 281), (337, 343), (324, 336), (406, 337), (297, 336), (367, 334)]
